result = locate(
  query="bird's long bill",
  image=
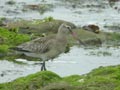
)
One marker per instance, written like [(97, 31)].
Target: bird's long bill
[(76, 37)]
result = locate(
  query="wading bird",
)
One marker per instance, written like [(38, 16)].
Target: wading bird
[(48, 47)]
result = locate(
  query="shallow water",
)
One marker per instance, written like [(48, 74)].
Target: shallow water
[(79, 15), (77, 61)]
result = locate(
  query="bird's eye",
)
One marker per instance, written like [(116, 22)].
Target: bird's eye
[(68, 27)]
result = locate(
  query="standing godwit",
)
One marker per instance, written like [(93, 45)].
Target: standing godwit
[(48, 47)]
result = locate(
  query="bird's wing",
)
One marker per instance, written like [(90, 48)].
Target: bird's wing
[(39, 45)]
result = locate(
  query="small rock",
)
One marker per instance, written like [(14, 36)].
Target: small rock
[(92, 28), (73, 6), (32, 6), (95, 42), (11, 2), (2, 75)]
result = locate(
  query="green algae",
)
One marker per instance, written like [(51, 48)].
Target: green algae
[(31, 82), (10, 39), (102, 78)]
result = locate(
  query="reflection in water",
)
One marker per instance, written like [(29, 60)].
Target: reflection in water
[(77, 61)]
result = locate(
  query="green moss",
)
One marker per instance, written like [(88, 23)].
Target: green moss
[(4, 48), (117, 88), (73, 79), (105, 71), (58, 86), (11, 38), (103, 78), (115, 36), (31, 82), (48, 19)]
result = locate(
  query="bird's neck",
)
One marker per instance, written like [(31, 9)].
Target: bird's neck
[(61, 36)]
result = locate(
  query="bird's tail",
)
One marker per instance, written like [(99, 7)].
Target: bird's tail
[(18, 49)]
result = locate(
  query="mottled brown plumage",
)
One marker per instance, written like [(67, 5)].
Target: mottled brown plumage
[(47, 47), (44, 45)]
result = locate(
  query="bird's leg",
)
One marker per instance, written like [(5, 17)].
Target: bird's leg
[(43, 68)]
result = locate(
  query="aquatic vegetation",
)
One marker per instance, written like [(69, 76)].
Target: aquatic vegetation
[(58, 86), (100, 53), (46, 19), (115, 36), (104, 53), (102, 78), (1, 21), (31, 82), (4, 48), (113, 39), (11, 38), (67, 48), (73, 79)]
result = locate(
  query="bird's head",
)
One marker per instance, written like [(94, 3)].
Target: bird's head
[(66, 29)]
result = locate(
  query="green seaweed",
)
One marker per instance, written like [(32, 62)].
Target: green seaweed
[(102, 78), (31, 82), (10, 39)]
